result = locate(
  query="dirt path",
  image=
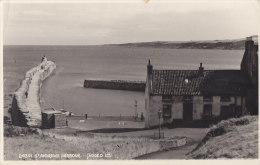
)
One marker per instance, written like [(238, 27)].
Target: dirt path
[(176, 153)]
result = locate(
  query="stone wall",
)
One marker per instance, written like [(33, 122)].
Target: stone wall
[(177, 107), (172, 143), (117, 85), (26, 110), (216, 106), (152, 118), (197, 107)]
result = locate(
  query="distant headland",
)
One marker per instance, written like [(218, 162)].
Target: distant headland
[(236, 44)]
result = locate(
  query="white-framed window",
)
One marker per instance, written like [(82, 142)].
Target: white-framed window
[(167, 111), (207, 111)]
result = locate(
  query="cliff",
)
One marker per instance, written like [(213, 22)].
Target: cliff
[(26, 110)]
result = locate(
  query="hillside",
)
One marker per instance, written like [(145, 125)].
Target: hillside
[(238, 44), (234, 138)]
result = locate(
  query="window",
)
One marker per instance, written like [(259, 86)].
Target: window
[(187, 98), (207, 110), (238, 111), (226, 112), (187, 111), (225, 98), (167, 111), (207, 98), (166, 98)]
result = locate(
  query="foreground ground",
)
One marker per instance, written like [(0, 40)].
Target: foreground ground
[(124, 145), (176, 153), (234, 138)]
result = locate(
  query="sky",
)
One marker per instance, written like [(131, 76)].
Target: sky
[(92, 23)]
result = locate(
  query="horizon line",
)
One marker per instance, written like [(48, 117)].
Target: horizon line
[(234, 39)]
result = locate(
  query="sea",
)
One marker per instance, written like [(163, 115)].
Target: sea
[(64, 88)]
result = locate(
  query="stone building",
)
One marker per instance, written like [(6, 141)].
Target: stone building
[(187, 96), (54, 119)]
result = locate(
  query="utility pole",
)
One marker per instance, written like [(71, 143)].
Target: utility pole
[(159, 115), (135, 109)]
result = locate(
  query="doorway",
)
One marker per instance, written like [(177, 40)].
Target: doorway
[(187, 111)]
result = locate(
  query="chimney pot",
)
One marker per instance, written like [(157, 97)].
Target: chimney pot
[(149, 67), (201, 69)]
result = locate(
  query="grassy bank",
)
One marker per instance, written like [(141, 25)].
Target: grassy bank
[(233, 138), (91, 146)]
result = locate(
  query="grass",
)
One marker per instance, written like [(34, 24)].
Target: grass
[(233, 138), (20, 140), (13, 131), (118, 148)]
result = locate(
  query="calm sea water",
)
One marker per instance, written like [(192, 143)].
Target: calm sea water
[(77, 63)]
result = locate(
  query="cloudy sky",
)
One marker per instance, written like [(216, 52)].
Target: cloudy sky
[(105, 23)]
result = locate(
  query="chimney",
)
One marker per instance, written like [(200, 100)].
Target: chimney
[(148, 90), (248, 44), (201, 69), (149, 68)]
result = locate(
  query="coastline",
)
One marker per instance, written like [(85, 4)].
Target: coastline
[(25, 108)]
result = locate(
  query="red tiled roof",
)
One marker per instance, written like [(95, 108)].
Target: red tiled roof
[(191, 82)]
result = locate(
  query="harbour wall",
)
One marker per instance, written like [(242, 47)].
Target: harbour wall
[(115, 85), (25, 109)]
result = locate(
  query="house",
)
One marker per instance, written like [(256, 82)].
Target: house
[(53, 119), (197, 95)]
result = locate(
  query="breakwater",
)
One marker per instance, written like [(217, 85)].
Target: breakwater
[(26, 110), (115, 84)]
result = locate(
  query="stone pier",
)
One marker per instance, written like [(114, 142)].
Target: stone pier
[(26, 110), (115, 85)]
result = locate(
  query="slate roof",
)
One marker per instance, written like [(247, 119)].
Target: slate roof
[(191, 82)]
